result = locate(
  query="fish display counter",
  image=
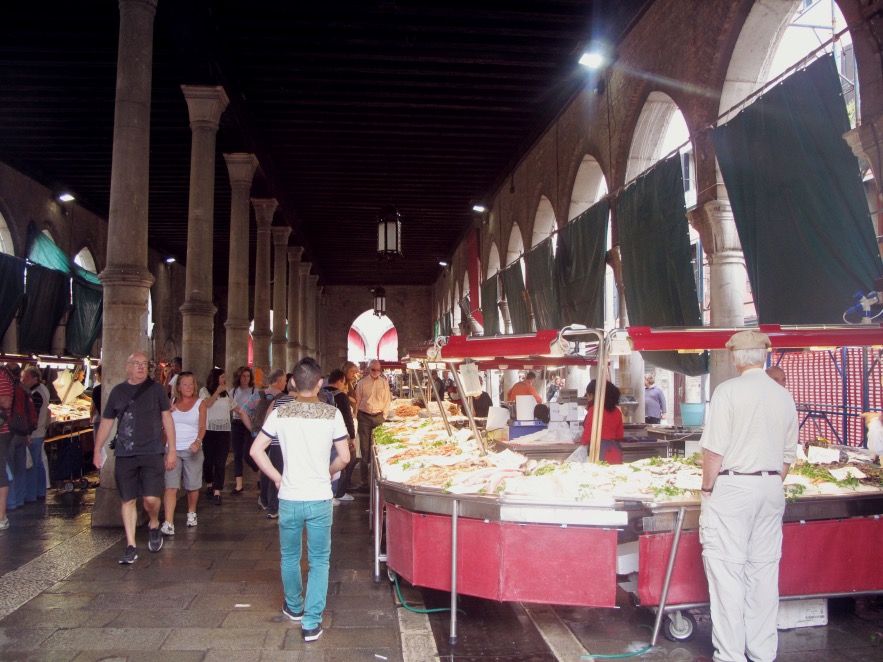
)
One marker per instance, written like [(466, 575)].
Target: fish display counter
[(502, 526)]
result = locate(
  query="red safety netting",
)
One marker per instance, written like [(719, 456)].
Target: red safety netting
[(829, 387)]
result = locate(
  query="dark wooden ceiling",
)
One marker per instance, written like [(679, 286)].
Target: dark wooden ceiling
[(348, 105)]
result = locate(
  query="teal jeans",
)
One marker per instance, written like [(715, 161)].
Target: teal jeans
[(316, 516)]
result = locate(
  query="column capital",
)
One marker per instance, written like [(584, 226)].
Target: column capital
[(264, 208), (206, 104), (314, 280), (241, 167), (280, 235), (294, 253), (866, 142), (198, 308), (148, 5), (716, 226), (304, 268)]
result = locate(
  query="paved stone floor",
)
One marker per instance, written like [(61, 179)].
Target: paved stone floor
[(213, 593)]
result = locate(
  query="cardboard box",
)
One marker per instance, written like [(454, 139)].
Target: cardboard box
[(556, 412), (807, 613)]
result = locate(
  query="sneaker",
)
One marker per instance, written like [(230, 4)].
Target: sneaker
[(335, 502), (154, 541), (292, 615), (313, 634), (191, 519), (217, 499), (347, 497), (167, 529), (272, 515), (129, 556), (236, 491), (4, 523)]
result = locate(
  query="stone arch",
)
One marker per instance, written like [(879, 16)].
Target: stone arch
[(544, 222), (652, 138), (515, 247), (493, 261), (371, 337), (589, 186)]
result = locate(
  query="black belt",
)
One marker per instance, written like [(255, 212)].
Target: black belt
[(752, 473), (367, 414)]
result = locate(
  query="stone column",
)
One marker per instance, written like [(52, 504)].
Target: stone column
[(866, 142), (715, 224), (294, 253), (320, 324), (241, 168), (302, 325), (264, 208), (125, 278), (312, 322), (631, 367), (205, 105), (280, 298)]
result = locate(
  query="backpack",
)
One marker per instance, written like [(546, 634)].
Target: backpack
[(260, 411), (22, 417)]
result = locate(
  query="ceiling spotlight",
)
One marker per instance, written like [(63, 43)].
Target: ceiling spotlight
[(442, 263), (479, 208), (170, 260), (592, 60), (66, 197)]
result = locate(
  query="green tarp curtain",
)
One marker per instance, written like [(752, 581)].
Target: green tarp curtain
[(798, 200), (580, 267), (660, 289), (47, 297), (516, 297), (489, 309), (43, 251), (84, 324), (542, 286), (12, 277)]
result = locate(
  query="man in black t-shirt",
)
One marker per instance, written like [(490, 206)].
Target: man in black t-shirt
[(143, 412)]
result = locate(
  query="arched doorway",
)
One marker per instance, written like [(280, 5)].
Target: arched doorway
[(371, 337)]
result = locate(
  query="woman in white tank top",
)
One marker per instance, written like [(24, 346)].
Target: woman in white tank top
[(189, 416)]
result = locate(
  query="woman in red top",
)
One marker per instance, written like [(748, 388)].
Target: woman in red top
[(611, 417)]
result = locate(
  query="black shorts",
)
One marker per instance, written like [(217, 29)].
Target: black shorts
[(141, 475)]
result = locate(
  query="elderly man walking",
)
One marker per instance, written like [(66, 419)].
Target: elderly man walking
[(143, 412), (373, 399), (749, 443)]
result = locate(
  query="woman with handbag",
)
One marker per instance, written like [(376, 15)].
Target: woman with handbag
[(240, 431)]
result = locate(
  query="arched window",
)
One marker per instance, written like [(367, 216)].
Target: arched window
[(6, 245), (84, 259)]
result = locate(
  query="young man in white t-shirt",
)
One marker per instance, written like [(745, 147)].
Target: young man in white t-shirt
[(306, 428)]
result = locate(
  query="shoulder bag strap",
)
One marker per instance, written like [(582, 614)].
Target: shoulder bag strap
[(141, 390)]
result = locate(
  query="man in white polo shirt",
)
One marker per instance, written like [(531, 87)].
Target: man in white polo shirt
[(749, 442), (306, 429)]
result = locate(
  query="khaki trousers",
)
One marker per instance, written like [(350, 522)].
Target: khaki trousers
[(741, 533)]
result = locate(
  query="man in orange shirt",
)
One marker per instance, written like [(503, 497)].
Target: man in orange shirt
[(524, 388)]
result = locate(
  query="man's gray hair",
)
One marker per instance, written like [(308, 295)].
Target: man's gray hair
[(745, 358), (274, 376)]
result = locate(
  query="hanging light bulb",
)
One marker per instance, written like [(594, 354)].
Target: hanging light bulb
[(379, 301), (389, 232)]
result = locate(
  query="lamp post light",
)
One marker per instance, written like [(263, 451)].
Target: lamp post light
[(379, 301), (389, 232)]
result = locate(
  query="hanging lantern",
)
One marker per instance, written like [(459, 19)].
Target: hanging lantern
[(389, 233), (379, 301)]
